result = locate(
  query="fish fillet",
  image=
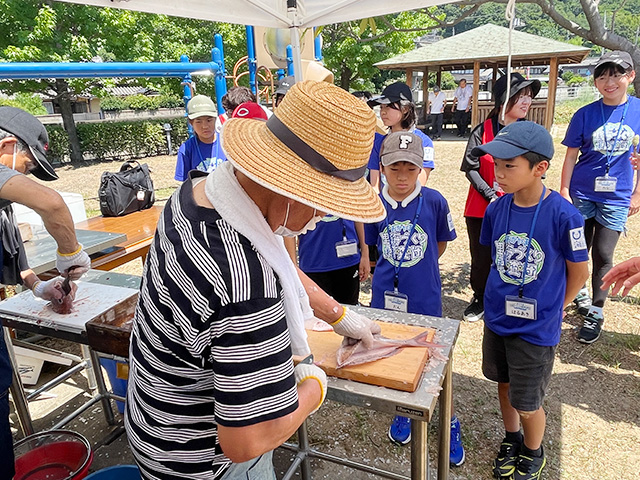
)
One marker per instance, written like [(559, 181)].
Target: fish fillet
[(353, 352)]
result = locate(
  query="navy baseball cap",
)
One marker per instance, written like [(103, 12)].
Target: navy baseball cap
[(28, 128), (393, 93), (517, 139)]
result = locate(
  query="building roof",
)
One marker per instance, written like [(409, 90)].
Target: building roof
[(488, 44)]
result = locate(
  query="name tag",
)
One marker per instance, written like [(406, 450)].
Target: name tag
[(605, 184), (526, 308), (346, 248), (396, 301)]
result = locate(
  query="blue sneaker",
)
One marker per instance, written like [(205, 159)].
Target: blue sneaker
[(400, 430), (456, 454)]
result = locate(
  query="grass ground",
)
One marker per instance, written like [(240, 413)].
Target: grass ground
[(592, 405)]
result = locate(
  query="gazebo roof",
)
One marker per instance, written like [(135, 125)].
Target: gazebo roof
[(488, 44)]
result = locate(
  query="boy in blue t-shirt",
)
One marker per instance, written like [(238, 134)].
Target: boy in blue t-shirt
[(539, 255), (202, 151), (410, 240)]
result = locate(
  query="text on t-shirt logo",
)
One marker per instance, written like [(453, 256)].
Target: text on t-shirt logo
[(578, 242), (405, 140)]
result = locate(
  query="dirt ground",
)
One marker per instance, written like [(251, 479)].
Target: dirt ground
[(593, 423)]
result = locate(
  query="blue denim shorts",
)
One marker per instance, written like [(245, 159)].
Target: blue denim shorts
[(614, 217), (260, 468)]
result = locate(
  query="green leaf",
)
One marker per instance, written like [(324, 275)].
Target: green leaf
[(363, 25)]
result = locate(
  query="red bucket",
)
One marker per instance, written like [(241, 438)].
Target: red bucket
[(53, 455)]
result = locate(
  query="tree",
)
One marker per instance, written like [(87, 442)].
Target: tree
[(608, 24), (351, 49), (41, 31)]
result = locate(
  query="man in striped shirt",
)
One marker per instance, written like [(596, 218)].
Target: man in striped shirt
[(212, 387)]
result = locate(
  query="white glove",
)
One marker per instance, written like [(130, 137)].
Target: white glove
[(354, 325), (304, 371), (49, 290), (78, 259)]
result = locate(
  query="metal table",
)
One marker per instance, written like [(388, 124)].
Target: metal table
[(419, 405), (41, 248), (91, 358)]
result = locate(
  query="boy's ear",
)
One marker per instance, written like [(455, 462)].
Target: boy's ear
[(541, 167), (6, 145)]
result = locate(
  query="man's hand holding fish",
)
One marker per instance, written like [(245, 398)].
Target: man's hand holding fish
[(353, 325)]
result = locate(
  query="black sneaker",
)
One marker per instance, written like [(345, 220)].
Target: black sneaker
[(504, 464), (591, 328), (474, 311), (529, 468)]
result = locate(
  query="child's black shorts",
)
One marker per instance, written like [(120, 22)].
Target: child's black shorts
[(524, 366)]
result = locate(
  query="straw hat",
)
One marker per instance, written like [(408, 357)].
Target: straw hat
[(314, 149)]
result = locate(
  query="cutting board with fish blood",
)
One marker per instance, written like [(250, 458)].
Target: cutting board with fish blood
[(400, 372), (92, 301)]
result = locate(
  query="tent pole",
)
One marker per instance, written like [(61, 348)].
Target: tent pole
[(294, 29)]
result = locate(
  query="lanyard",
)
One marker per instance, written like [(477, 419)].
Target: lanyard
[(533, 226), (397, 267), (344, 230), (214, 144), (604, 128)]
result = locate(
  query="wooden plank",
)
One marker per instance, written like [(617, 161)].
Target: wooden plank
[(551, 93), (475, 117), (111, 331), (400, 372)]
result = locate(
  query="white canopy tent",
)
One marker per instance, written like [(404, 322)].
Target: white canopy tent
[(291, 14)]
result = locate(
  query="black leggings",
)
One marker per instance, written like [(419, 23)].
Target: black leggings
[(480, 257), (602, 243)]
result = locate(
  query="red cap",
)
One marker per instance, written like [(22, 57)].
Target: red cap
[(249, 110)]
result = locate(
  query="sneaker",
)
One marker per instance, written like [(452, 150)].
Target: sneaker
[(456, 453), (400, 430), (474, 311), (591, 328), (504, 464), (582, 302), (529, 468)]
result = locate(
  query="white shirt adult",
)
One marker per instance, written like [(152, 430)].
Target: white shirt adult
[(437, 101), (462, 96)]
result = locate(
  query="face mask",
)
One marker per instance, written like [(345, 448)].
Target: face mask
[(283, 231)]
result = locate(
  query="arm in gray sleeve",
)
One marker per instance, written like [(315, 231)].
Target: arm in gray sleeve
[(471, 166)]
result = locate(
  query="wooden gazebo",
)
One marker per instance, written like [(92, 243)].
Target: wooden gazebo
[(488, 47)]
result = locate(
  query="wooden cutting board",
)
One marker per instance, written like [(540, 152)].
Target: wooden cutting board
[(400, 372), (92, 300)]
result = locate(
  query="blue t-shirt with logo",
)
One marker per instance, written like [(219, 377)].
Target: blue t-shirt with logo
[(558, 236), (317, 248), (587, 131), (419, 274), (196, 155), (427, 145)]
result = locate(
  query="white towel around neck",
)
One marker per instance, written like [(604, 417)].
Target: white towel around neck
[(238, 209)]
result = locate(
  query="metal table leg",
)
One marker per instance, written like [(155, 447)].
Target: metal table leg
[(102, 388), (444, 441), (419, 450), (90, 367), (17, 390)]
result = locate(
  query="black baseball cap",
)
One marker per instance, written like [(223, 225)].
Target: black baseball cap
[(393, 93), (284, 85), (518, 82), (618, 57), (517, 139), (28, 128)]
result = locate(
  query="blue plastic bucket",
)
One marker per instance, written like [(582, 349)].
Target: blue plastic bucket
[(118, 385), (119, 472)]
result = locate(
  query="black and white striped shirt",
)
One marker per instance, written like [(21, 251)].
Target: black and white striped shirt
[(209, 344)]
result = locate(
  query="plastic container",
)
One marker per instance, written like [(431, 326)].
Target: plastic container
[(53, 455), (119, 472), (118, 385)]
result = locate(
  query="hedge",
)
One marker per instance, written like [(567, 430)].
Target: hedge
[(117, 140), (139, 102)]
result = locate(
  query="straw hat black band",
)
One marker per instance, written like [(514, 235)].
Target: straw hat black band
[(308, 154)]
